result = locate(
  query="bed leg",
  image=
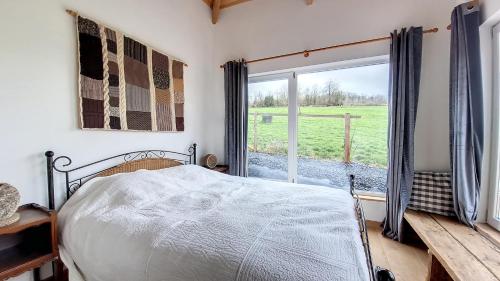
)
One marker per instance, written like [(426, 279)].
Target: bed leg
[(50, 178), (194, 152)]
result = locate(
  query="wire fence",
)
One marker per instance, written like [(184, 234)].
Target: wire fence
[(268, 118)]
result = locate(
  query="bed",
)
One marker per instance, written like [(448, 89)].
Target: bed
[(155, 215)]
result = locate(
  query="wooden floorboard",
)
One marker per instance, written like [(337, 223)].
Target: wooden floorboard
[(408, 263)]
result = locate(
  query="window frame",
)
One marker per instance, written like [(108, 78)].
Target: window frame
[(292, 76), (493, 208)]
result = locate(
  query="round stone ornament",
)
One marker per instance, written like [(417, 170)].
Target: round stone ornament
[(9, 201)]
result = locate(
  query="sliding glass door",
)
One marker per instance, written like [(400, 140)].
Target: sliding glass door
[(342, 125), (317, 126), (269, 131)]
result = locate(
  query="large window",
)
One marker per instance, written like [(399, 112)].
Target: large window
[(494, 194), (318, 125)]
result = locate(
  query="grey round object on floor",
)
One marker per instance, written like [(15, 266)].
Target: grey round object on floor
[(9, 201)]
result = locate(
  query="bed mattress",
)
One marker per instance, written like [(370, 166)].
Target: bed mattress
[(189, 223)]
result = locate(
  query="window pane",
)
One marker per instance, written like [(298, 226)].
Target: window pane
[(342, 127), (268, 129)]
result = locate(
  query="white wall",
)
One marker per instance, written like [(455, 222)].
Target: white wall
[(38, 81), (489, 8)]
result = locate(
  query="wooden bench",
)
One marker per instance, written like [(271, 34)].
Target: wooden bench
[(456, 252)]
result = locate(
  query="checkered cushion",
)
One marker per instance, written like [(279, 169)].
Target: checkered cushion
[(432, 193)]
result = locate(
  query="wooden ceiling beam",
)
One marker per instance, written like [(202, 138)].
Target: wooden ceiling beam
[(225, 3), (215, 11), (229, 3)]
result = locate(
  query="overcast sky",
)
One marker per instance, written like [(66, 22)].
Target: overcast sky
[(366, 80)]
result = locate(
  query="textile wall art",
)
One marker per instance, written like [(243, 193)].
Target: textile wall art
[(125, 85)]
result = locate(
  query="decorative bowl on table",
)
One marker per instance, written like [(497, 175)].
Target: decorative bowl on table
[(209, 161)]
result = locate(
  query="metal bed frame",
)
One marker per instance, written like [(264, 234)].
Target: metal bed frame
[(62, 165), (363, 230)]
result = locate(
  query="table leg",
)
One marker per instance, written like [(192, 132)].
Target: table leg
[(59, 273), (36, 274), (436, 271)]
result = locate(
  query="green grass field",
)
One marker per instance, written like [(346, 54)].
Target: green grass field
[(323, 138)]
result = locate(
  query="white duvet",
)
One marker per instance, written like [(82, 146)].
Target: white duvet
[(188, 223)]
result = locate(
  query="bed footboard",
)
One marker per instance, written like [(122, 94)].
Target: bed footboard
[(362, 228)]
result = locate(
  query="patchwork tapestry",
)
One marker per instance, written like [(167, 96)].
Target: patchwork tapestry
[(125, 85)]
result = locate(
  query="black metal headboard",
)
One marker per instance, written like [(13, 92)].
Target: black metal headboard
[(62, 164)]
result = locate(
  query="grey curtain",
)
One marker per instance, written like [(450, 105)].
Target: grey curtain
[(236, 98), (466, 112), (404, 84)]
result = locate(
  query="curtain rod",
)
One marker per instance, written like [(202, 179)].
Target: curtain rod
[(306, 53), (74, 14)]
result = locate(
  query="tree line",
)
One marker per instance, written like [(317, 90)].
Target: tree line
[(327, 95)]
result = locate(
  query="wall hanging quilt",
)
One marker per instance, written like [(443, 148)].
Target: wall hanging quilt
[(126, 85)]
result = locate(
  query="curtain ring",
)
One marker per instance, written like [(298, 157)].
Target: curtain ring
[(306, 53)]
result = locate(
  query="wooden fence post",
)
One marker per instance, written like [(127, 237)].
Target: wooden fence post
[(255, 131), (347, 138)]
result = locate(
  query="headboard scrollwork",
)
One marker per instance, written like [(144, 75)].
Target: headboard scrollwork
[(122, 163)]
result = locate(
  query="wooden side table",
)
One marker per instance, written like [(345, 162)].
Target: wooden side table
[(29, 243), (221, 169)]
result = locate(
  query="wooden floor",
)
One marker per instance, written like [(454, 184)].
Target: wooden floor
[(408, 263)]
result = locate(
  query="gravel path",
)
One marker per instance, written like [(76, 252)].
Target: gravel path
[(318, 172)]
